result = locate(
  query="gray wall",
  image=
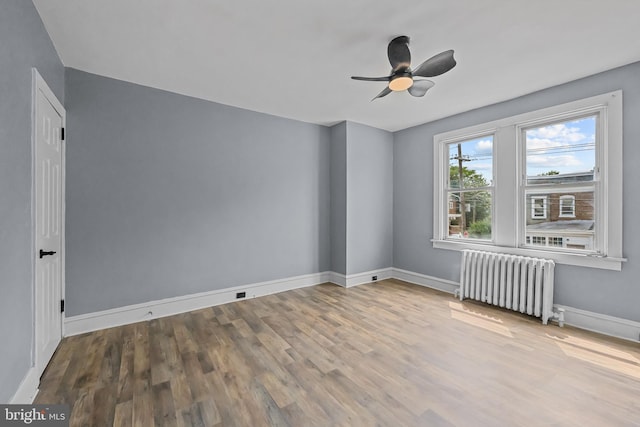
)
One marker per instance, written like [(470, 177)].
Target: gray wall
[(24, 43), (169, 195), (369, 198), (361, 198), (606, 292), (339, 198)]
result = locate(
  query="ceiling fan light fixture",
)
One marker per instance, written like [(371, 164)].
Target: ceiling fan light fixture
[(401, 77), (400, 83)]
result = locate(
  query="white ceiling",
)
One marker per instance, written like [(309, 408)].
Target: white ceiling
[(294, 58)]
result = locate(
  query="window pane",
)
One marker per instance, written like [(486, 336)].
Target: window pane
[(561, 152), (469, 215), (569, 220), (471, 162)]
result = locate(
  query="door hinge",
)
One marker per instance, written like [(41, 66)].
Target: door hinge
[(61, 306), (62, 134)]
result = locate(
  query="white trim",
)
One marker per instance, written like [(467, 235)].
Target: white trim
[(348, 281), (338, 279), (601, 323), (366, 277), (586, 260), (82, 323), (443, 285), (28, 388)]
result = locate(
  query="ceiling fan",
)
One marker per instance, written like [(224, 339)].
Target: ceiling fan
[(402, 77)]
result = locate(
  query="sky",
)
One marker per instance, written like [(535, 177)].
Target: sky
[(477, 154), (566, 147)]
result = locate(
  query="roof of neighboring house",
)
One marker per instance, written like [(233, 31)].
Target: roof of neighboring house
[(571, 225), (561, 178)]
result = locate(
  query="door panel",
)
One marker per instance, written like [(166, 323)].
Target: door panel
[(48, 233)]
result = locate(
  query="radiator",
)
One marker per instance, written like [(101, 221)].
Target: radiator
[(514, 282)]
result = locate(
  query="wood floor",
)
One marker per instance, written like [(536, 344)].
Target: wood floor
[(382, 354)]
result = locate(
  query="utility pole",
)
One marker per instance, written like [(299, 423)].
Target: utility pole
[(461, 187)]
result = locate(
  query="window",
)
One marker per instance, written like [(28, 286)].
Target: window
[(555, 241), (538, 207), (549, 180), (567, 206), (539, 240)]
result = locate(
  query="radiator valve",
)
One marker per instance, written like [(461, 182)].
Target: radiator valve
[(558, 316)]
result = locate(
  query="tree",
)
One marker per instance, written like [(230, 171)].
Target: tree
[(549, 173), (470, 178), (481, 229), (478, 202)]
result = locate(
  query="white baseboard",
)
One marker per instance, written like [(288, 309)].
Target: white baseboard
[(75, 325), (80, 324), (601, 323), (424, 280), (28, 389), (367, 276), (351, 280), (338, 279)]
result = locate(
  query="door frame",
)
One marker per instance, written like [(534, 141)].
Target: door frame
[(39, 85)]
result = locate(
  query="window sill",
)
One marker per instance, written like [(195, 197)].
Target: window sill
[(606, 263)]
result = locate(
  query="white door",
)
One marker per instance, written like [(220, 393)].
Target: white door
[(49, 221)]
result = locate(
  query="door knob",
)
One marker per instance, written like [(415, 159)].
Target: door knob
[(45, 253)]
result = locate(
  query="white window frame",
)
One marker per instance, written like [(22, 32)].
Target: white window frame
[(533, 207), (509, 153), (572, 205)]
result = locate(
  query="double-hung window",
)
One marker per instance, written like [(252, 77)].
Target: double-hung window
[(538, 206), (567, 206), (546, 183)]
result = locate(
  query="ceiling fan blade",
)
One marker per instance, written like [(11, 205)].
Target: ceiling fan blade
[(420, 87), (436, 65), (398, 52), (372, 79), (386, 91)]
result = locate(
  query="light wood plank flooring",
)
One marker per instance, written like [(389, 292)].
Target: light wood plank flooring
[(382, 354)]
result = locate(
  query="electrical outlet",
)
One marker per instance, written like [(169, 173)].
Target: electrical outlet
[(241, 295), (374, 278)]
